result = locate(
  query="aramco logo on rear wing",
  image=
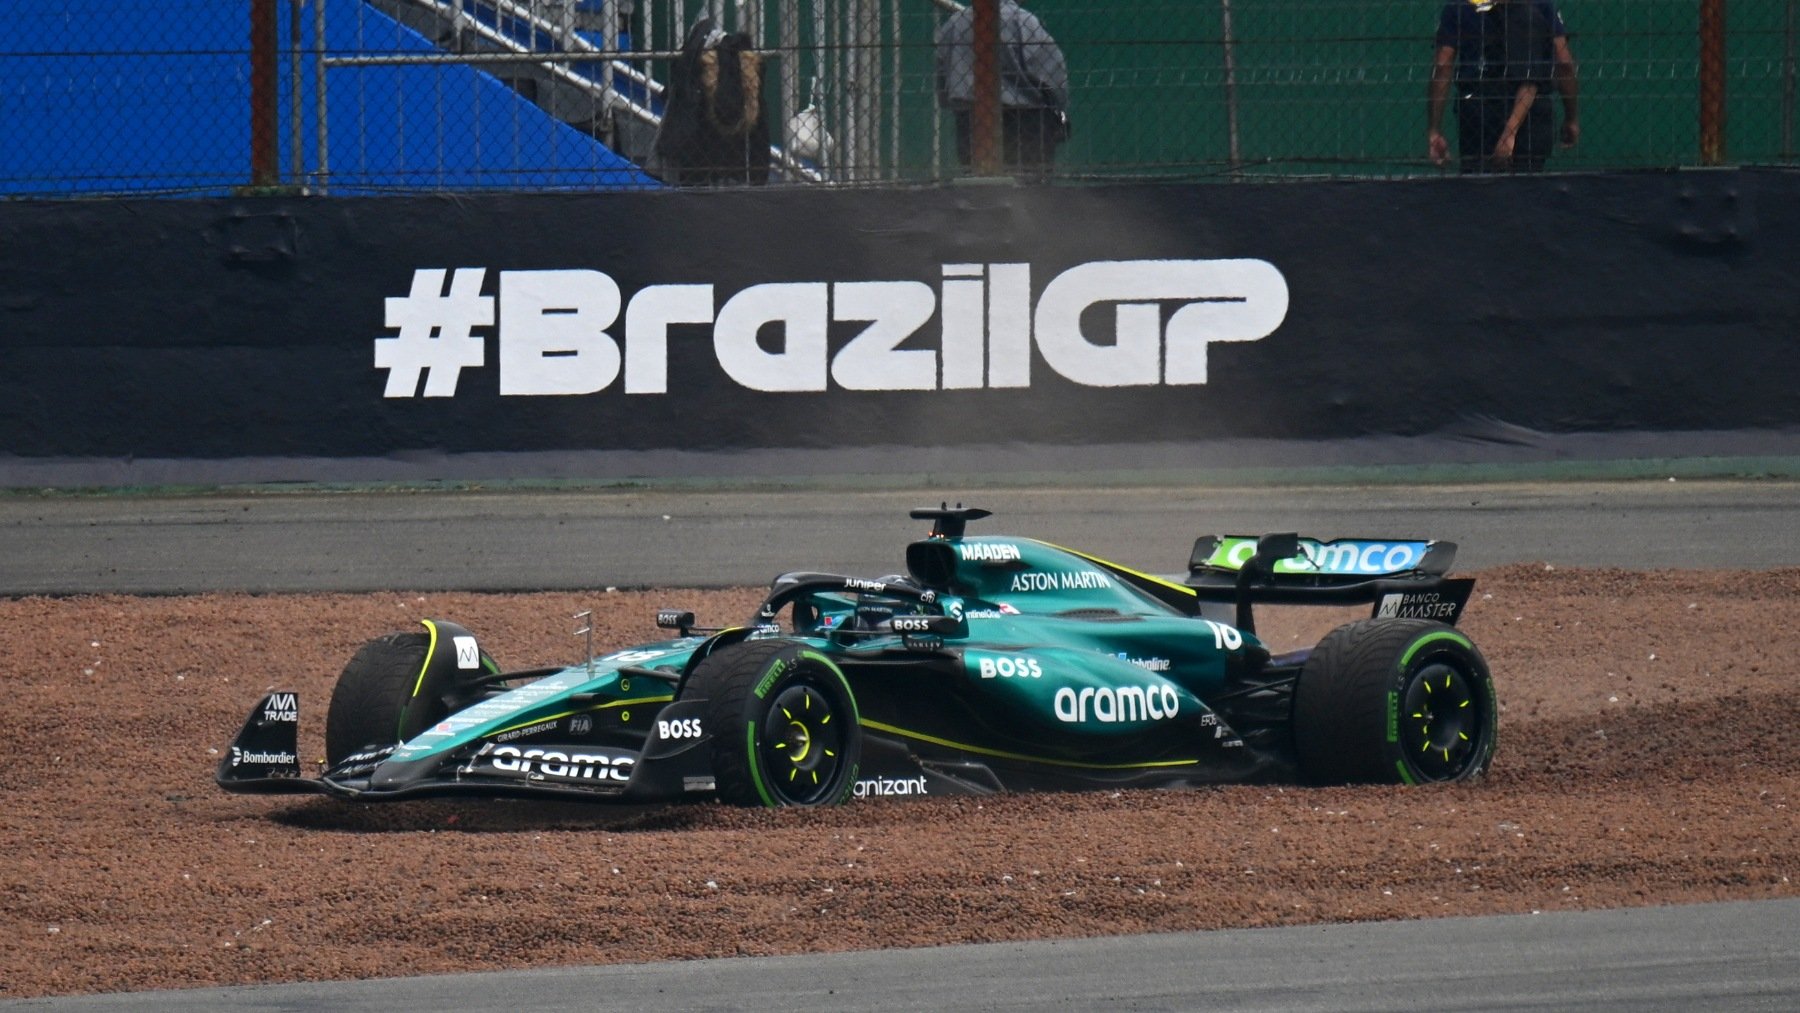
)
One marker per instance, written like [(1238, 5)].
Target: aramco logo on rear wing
[(556, 331)]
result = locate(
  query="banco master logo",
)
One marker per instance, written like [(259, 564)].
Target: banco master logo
[(559, 332)]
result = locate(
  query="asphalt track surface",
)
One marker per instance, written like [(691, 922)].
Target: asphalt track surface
[(1704, 957), (1714, 957), (593, 539)]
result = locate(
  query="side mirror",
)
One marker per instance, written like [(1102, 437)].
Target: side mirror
[(1272, 549), (675, 619), (932, 563)]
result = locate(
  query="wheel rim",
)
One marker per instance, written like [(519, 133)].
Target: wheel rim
[(802, 744), (1442, 722)]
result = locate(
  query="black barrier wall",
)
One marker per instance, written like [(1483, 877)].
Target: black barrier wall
[(320, 327)]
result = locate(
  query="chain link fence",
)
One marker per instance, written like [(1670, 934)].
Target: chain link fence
[(371, 96)]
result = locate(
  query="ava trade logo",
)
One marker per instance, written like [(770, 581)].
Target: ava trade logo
[(554, 330)]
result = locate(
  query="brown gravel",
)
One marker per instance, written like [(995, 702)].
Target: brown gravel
[(1650, 749)]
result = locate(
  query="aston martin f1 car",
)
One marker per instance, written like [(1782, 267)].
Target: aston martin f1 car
[(995, 663)]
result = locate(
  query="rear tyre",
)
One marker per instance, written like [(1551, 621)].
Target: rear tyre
[(784, 725), (1394, 700), (372, 693)]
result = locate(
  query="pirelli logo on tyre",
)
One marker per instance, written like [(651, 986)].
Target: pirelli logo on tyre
[(769, 678)]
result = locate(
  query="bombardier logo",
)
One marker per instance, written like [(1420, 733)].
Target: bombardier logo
[(240, 756), (559, 332)]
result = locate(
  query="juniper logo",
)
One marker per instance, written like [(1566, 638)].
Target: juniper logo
[(559, 333)]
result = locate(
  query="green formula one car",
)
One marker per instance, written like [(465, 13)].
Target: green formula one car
[(995, 663)]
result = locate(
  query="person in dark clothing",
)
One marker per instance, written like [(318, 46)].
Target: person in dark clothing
[(1034, 88), (713, 130), (1504, 56)]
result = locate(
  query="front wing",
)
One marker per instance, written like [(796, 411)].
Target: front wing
[(264, 760)]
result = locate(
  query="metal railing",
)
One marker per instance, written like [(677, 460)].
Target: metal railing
[(351, 96)]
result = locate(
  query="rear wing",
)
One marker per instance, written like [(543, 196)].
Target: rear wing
[(1400, 578)]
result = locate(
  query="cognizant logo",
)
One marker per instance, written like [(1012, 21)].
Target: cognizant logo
[(559, 332)]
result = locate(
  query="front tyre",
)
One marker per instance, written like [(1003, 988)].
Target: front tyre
[(1395, 700), (372, 693), (784, 725)]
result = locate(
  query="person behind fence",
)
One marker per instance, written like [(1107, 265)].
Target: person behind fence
[(1503, 56), (713, 130), (1034, 88)]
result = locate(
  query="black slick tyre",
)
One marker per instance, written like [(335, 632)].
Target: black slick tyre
[(372, 693), (1394, 700), (784, 725)]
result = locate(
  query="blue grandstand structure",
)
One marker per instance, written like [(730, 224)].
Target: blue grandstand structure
[(134, 96)]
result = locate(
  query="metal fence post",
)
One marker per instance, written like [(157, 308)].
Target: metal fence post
[(265, 97), (1231, 99), (321, 126), (984, 117), (1712, 82)]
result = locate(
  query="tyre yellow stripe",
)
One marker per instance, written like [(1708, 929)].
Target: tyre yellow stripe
[(430, 649), (1109, 564)]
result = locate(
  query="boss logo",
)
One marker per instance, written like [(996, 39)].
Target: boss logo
[(1011, 668), (912, 624), (680, 728)]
